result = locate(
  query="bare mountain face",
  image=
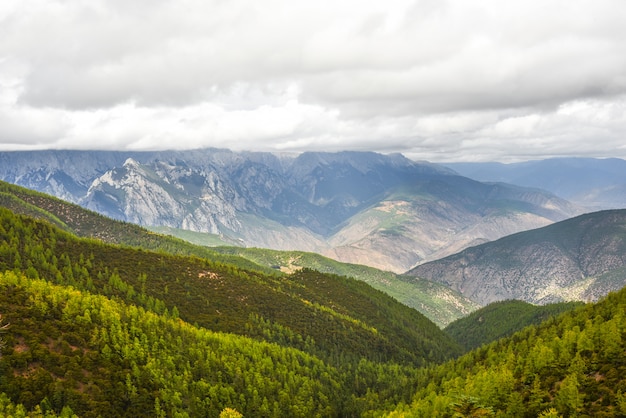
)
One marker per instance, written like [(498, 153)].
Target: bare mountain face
[(582, 258), (384, 211)]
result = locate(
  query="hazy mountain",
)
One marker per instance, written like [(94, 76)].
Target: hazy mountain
[(385, 211), (582, 258), (591, 182)]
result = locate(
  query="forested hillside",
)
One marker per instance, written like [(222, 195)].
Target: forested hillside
[(501, 319), (89, 224), (363, 341), (569, 366), (439, 303)]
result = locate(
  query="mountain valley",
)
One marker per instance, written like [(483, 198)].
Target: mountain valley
[(384, 211), (107, 318)]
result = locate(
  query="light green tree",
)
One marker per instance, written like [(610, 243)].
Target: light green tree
[(550, 413), (230, 413)]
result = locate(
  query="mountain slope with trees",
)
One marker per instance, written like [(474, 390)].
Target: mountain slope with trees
[(571, 365), (502, 319), (331, 314), (437, 302), (98, 327)]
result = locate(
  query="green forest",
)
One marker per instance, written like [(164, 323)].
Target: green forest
[(112, 321)]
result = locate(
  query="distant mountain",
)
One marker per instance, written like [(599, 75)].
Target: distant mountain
[(590, 182), (502, 319), (384, 211), (582, 258)]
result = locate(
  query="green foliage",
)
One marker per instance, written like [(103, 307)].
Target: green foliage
[(105, 358), (356, 346), (230, 413), (502, 319), (88, 224), (335, 312), (568, 366)]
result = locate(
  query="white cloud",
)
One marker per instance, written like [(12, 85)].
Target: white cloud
[(439, 80)]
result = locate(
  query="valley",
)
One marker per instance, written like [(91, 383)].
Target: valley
[(106, 317), (290, 209)]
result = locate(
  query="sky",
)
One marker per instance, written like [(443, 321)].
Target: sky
[(436, 80)]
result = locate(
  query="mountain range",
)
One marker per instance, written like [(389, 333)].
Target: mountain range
[(590, 182), (384, 211)]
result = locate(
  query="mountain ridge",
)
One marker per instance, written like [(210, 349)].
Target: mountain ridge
[(581, 258)]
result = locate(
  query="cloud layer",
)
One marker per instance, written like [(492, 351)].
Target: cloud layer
[(434, 79)]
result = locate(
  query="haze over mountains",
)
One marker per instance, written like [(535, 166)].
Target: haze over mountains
[(590, 182), (384, 211)]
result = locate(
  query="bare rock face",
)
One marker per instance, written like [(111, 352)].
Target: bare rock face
[(379, 210)]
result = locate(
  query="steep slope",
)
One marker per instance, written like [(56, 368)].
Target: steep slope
[(337, 204), (569, 366), (438, 303), (582, 258), (328, 316), (502, 319), (590, 182)]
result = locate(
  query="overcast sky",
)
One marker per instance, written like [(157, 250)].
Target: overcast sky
[(456, 80)]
